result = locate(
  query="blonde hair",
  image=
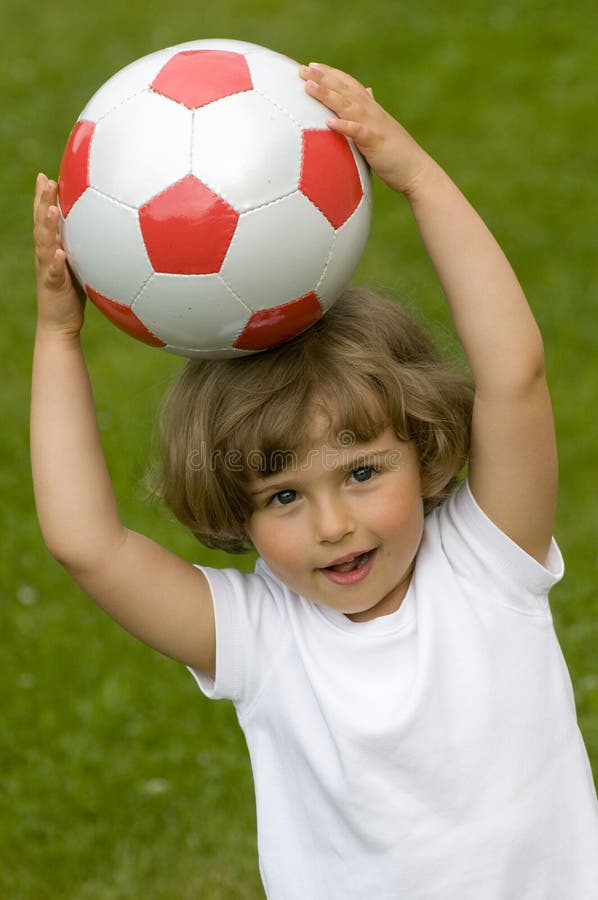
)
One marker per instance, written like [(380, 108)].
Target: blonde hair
[(366, 365)]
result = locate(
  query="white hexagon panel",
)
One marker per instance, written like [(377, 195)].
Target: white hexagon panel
[(292, 268), (251, 178), (95, 231), (206, 207), (154, 136)]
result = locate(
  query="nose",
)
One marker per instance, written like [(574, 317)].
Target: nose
[(333, 519)]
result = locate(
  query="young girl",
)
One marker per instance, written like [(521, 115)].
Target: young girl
[(392, 660)]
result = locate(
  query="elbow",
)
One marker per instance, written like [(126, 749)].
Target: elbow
[(531, 370), (77, 554), (56, 546), (513, 370), (62, 551)]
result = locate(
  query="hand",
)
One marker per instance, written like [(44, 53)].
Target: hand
[(388, 147), (60, 299)]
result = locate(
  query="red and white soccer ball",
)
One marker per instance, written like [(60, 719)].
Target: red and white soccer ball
[(206, 207)]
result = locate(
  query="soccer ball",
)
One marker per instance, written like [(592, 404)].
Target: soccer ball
[(206, 206)]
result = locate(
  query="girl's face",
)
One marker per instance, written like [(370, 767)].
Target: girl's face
[(342, 526)]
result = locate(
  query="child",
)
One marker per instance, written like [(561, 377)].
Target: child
[(393, 663)]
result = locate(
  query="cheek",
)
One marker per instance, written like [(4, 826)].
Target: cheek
[(401, 510), (274, 543)]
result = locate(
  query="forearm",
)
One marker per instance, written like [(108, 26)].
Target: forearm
[(490, 312), (159, 598), (494, 323), (75, 502)]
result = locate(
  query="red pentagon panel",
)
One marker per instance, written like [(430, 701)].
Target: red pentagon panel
[(329, 175), (268, 328), (187, 229), (123, 317), (73, 177), (198, 77)]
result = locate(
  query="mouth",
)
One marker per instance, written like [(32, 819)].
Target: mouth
[(350, 569)]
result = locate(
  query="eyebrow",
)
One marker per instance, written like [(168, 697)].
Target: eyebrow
[(283, 480)]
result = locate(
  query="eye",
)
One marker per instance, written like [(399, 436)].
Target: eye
[(283, 498), (363, 473)]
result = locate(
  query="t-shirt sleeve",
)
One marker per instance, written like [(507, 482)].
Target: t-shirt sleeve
[(250, 623), (480, 552)]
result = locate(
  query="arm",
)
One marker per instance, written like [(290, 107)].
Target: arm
[(513, 468), (154, 594)]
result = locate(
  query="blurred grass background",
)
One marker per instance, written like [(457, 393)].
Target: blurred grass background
[(117, 780)]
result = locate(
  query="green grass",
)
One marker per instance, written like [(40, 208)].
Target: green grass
[(118, 780)]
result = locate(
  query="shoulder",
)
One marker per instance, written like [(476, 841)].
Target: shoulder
[(246, 595), (474, 547), (251, 619)]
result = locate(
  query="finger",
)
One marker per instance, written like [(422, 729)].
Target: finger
[(329, 71), (40, 185), (56, 274), (46, 235), (333, 79), (57, 263), (46, 196), (44, 187), (46, 226), (339, 92), (338, 101), (353, 130)]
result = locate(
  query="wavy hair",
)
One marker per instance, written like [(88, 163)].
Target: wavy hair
[(366, 365)]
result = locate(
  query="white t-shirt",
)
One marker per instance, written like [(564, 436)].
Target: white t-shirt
[(432, 754)]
